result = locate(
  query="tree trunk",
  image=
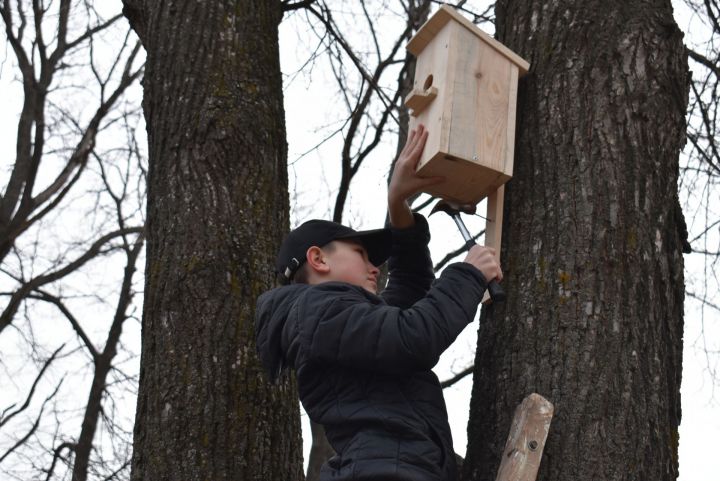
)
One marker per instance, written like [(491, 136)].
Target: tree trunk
[(217, 209), (592, 244)]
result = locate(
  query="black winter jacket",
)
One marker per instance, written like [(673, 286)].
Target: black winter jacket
[(363, 362)]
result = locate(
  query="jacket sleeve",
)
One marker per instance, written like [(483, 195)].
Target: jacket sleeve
[(354, 329), (410, 266)]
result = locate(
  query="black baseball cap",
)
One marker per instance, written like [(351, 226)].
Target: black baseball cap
[(377, 243)]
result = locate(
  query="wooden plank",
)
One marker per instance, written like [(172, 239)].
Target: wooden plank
[(435, 23), (512, 108), (493, 226), (526, 441), (480, 76), (493, 229), (465, 182), (431, 71), (522, 64), (427, 32), (418, 100)]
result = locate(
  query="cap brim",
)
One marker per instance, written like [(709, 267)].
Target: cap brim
[(377, 243)]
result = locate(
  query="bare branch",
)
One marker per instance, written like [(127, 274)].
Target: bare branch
[(103, 364), (712, 16), (57, 302), (326, 20), (92, 31), (61, 185), (706, 253), (704, 60), (424, 204), (15, 40), (360, 109), (287, 6), (34, 427), (451, 255), (458, 377), (703, 300), (57, 454), (7, 315), (5, 419), (114, 474)]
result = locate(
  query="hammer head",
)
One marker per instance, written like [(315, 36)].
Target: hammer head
[(451, 208)]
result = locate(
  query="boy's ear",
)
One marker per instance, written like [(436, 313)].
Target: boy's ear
[(316, 259)]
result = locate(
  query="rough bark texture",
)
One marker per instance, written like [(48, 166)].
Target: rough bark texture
[(591, 244), (217, 209)]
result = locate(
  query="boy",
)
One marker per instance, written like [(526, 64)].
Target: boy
[(364, 361)]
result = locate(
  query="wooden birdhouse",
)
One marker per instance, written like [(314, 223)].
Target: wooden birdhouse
[(465, 94)]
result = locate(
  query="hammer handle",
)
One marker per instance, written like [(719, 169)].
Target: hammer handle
[(497, 293)]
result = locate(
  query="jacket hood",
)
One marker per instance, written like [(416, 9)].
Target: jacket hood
[(271, 313)]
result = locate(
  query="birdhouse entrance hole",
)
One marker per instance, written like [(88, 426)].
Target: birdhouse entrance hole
[(428, 82)]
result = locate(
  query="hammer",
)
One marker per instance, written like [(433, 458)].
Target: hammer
[(497, 294)]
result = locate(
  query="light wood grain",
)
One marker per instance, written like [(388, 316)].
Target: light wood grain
[(436, 116), (511, 112), (465, 182), (418, 100), (493, 229), (493, 225), (526, 441), (442, 17), (481, 80)]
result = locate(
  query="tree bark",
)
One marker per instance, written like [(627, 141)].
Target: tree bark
[(592, 244), (217, 210)]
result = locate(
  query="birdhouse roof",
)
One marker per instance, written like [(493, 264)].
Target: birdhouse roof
[(428, 31)]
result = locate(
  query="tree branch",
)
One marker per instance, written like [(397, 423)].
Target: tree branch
[(22, 221), (57, 302), (704, 61), (5, 419), (287, 6), (703, 300), (35, 425), (19, 295), (57, 453), (457, 377), (451, 255)]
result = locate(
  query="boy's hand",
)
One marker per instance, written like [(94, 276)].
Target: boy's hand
[(484, 259), (405, 181)]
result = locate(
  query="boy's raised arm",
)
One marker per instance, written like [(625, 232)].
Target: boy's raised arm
[(405, 181), (410, 265)]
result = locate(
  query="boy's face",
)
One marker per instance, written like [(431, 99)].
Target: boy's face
[(348, 262)]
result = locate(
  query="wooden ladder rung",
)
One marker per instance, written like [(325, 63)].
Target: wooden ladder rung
[(526, 441)]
